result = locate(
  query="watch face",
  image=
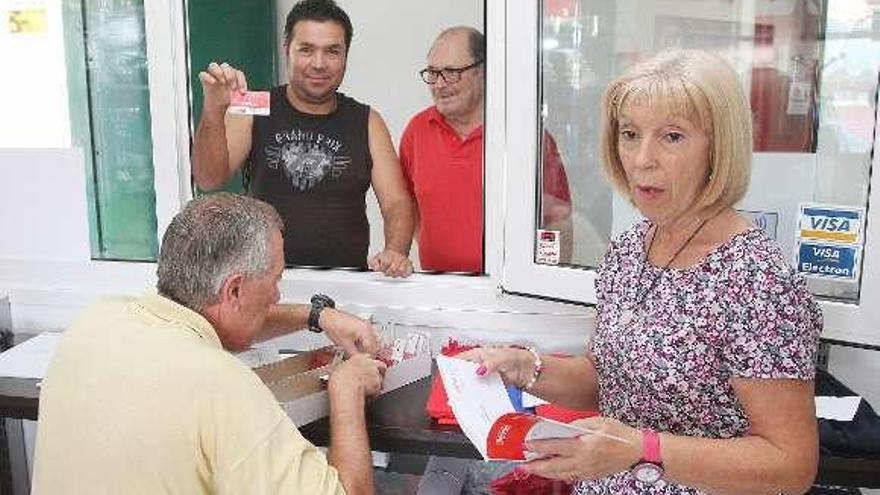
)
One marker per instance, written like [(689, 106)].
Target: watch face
[(647, 472)]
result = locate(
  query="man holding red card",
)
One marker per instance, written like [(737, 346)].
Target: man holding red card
[(316, 153)]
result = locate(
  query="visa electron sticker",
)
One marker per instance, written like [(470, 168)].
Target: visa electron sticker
[(828, 261), (830, 241)]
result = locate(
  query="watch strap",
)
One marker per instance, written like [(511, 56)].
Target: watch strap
[(319, 303), (651, 446)]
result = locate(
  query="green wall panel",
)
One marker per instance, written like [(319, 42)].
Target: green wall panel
[(110, 120), (240, 32)]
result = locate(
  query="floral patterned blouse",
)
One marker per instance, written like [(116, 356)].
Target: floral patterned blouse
[(742, 312)]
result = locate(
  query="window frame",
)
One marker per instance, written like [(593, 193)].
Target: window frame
[(854, 323), (166, 41), (521, 274)]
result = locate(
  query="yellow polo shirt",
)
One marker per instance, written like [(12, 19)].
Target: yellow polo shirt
[(141, 398)]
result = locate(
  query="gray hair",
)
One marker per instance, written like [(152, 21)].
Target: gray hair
[(476, 41), (211, 239), (477, 45)]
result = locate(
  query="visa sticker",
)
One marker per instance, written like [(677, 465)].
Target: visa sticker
[(249, 103), (834, 224), (828, 260)]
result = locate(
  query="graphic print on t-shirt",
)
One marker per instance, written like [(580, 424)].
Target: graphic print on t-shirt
[(306, 157)]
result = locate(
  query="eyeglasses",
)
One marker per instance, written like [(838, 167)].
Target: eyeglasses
[(450, 74)]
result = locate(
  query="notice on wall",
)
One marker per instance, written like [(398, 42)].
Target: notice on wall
[(829, 241), (27, 21), (799, 94)]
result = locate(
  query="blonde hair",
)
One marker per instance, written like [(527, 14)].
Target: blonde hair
[(705, 90)]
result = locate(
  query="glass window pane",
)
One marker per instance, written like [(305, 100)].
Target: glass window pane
[(810, 69), (110, 115), (313, 161)]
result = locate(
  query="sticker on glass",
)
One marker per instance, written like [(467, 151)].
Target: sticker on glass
[(547, 252), (828, 260), (764, 220), (831, 224)]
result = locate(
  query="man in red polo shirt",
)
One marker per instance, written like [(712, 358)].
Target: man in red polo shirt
[(441, 153)]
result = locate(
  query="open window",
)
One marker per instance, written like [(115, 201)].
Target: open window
[(809, 67)]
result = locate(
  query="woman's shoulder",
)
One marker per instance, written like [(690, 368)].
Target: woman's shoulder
[(757, 263), (752, 248), (632, 239)]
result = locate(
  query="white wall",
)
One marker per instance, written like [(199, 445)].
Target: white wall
[(44, 216), (35, 93)]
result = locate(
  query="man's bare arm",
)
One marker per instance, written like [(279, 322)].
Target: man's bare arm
[(350, 384), (395, 201), (346, 330), (222, 141)]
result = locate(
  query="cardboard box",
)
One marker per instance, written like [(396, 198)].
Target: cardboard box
[(297, 384)]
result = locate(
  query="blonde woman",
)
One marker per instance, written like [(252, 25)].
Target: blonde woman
[(703, 355)]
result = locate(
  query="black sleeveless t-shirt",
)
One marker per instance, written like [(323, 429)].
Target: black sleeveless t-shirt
[(315, 170)]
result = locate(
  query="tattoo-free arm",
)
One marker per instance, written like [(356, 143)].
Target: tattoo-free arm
[(222, 141), (390, 187), (779, 455)]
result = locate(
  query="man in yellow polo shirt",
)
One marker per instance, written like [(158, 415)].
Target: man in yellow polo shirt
[(143, 397)]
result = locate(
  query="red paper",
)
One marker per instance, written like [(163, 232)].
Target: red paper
[(562, 414), (515, 483), (437, 405), (508, 434)]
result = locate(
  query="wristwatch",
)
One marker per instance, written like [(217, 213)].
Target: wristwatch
[(650, 468), (319, 302)]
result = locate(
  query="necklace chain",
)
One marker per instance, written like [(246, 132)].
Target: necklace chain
[(641, 295)]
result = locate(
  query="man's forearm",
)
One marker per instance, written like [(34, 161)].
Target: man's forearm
[(349, 444), (283, 319), (210, 152), (400, 222)]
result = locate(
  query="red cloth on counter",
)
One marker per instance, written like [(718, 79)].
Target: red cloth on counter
[(437, 405), (438, 408), (514, 483)]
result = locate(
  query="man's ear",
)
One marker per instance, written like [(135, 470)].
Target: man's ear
[(230, 290)]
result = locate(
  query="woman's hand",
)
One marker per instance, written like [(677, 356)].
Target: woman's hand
[(516, 366), (588, 456)]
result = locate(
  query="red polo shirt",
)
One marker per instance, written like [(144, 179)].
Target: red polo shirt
[(445, 175)]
